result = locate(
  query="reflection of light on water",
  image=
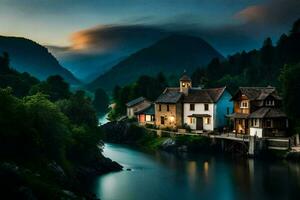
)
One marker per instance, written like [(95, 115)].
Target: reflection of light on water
[(192, 171), (205, 166), (205, 171)]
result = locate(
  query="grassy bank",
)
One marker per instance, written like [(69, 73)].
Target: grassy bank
[(129, 133)]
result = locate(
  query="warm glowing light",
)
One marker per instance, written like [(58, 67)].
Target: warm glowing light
[(205, 166), (172, 119)]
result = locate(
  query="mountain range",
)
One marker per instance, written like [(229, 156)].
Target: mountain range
[(171, 55), (29, 56)]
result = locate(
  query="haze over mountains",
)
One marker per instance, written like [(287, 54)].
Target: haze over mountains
[(120, 64), (28, 56), (171, 55), (94, 51)]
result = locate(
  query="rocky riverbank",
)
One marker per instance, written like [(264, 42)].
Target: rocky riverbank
[(49, 180)]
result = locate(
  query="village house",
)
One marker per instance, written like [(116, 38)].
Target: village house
[(200, 109), (137, 105), (257, 112), (206, 109), (168, 109), (146, 115)]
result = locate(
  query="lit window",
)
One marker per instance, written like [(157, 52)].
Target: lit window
[(244, 104), (191, 120), (207, 120)]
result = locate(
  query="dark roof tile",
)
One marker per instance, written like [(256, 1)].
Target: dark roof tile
[(211, 95), (135, 101), (170, 95)]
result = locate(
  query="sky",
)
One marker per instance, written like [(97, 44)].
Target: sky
[(229, 25)]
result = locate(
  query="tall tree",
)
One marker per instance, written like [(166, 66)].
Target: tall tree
[(101, 101), (290, 80)]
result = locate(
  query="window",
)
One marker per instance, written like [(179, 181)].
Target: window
[(192, 106), (206, 107), (255, 122), (168, 108), (191, 120), (162, 120), (270, 102), (244, 104), (207, 120), (240, 122), (268, 123), (159, 107)]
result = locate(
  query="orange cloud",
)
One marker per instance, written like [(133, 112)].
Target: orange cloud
[(251, 13), (80, 41)]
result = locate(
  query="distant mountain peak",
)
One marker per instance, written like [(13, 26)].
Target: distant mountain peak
[(170, 55), (29, 56)]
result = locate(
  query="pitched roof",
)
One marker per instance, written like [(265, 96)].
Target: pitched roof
[(149, 110), (267, 112), (185, 78), (135, 101), (197, 95), (170, 95), (258, 93), (238, 116)]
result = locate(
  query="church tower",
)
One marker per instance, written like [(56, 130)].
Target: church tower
[(185, 84)]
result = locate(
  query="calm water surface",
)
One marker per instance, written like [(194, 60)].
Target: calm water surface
[(166, 176)]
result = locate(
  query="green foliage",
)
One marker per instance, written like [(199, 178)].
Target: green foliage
[(290, 79), (194, 143), (101, 101), (20, 83), (54, 86), (79, 109), (146, 86), (50, 125), (254, 68)]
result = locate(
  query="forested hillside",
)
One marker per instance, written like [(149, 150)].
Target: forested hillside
[(49, 138), (28, 56), (260, 67)]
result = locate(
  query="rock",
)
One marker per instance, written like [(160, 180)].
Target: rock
[(58, 171), (128, 169), (168, 145), (70, 194), (182, 148), (26, 193)]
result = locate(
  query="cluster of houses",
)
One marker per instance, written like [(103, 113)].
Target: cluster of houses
[(252, 111)]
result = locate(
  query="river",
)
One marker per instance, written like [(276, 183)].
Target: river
[(164, 176)]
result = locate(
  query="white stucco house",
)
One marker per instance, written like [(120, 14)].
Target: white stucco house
[(206, 109)]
